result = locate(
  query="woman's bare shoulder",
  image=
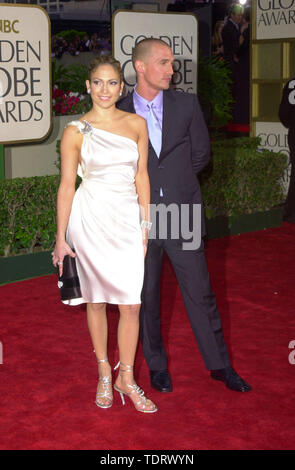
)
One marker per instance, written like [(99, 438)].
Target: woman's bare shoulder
[(85, 117), (131, 117), (78, 124), (72, 131), (136, 121)]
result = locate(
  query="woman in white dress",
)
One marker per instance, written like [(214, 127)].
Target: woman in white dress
[(101, 222)]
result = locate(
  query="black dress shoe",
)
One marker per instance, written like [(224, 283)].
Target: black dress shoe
[(160, 380), (231, 379)]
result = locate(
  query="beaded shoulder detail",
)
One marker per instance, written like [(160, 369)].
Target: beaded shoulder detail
[(84, 127)]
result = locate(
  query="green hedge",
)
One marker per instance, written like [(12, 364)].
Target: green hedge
[(214, 90), (243, 180), (27, 214)]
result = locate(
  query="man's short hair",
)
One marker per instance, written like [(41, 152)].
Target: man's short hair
[(235, 9), (142, 49)]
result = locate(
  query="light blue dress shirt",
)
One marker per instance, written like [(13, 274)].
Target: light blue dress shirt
[(141, 106)]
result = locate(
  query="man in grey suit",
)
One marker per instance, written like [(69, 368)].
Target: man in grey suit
[(178, 149)]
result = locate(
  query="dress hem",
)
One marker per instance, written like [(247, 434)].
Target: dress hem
[(80, 301)]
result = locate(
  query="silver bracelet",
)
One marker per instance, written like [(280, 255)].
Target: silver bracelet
[(146, 224)]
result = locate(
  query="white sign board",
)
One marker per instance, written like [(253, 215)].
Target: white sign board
[(275, 19), (25, 74), (179, 31), (274, 136)]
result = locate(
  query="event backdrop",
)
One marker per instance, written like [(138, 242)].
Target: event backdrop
[(25, 83), (275, 19), (180, 31), (272, 65)]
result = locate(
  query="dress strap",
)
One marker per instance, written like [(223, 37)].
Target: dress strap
[(84, 127)]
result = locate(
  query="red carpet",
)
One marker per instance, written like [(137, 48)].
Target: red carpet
[(48, 375)]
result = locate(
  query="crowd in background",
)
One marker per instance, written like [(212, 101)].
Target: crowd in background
[(230, 42), (78, 44)]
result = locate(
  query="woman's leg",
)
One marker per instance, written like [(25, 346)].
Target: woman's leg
[(98, 328), (128, 330)]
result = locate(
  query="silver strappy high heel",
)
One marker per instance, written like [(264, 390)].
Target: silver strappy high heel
[(141, 404), (106, 393)]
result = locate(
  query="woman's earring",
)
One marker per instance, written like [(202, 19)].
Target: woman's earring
[(88, 91), (120, 94)]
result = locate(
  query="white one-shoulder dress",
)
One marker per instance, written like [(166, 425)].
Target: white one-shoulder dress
[(104, 223)]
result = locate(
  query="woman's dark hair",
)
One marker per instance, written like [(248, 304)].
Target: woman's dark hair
[(105, 60)]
